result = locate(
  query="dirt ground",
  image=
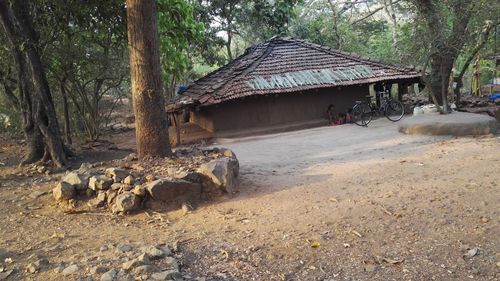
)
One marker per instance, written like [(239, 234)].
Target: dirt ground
[(331, 203)]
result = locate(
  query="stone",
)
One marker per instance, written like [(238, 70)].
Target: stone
[(166, 251), (59, 268), (126, 202), (5, 274), (41, 169), (123, 247), (140, 260), (89, 192), (32, 268), (111, 196), (130, 157), (172, 189), (236, 164), (100, 182), (78, 181), (36, 194), (116, 174), (139, 190), (188, 176), (167, 275), (153, 252), (221, 172), (100, 200), (84, 168), (150, 178), (41, 261), (186, 208), (4, 254), (72, 269), (171, 263), (116, 186), (98, 270), (144, 269), (109, 276), (129, 180), (64, 191), (126, 187)]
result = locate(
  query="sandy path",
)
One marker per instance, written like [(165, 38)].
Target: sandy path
[(382, 205)]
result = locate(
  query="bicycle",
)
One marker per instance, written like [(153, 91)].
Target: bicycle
[(363, 111)]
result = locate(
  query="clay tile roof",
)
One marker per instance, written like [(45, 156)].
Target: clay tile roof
[(285, 65)]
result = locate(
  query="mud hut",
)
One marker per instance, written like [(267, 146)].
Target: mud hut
[(282, 84)]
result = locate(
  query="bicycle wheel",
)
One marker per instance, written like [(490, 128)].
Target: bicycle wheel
[(361, 114), (394, 110)]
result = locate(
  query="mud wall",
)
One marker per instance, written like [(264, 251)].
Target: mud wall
[(271, 110)]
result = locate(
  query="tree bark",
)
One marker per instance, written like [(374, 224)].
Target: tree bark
[(39, 118), (333, 7), (67, 124), (147, 93), (228, 45)]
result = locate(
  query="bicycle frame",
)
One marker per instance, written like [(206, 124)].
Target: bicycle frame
[(374, 108)]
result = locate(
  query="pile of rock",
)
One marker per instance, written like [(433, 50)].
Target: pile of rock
[(128, 185), (411, 101), (474, 104)]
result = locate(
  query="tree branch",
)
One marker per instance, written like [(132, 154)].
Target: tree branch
[(484, 39), (371, 14)]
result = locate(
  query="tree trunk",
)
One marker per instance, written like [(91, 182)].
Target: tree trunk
[(67, 127), (338, 39), (228, 45), (441, 65), (147, 93), (39, 118)]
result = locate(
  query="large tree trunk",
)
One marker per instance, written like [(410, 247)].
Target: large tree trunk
[(150, 116), (39, 117), (441, 66)]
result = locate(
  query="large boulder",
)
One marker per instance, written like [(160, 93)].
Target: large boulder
[(233, 160), (173, 189), (78, 181), (222, 173), (64, 191), (126, 202)]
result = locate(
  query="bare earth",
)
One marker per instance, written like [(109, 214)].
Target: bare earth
[(378, 205)]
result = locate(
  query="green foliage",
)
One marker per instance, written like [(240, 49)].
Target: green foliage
[(84, 48), (179, 32), (262, 19)]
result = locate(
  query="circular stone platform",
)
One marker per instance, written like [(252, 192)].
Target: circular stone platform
[(455, 124)]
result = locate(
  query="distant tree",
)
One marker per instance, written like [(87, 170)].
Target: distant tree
[(180, 38), (39, 117), (246, 20), (446, 26), (85, 53), (149, 108)]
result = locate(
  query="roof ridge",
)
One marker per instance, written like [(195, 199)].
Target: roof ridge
[(226, 66), (252, 66)]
